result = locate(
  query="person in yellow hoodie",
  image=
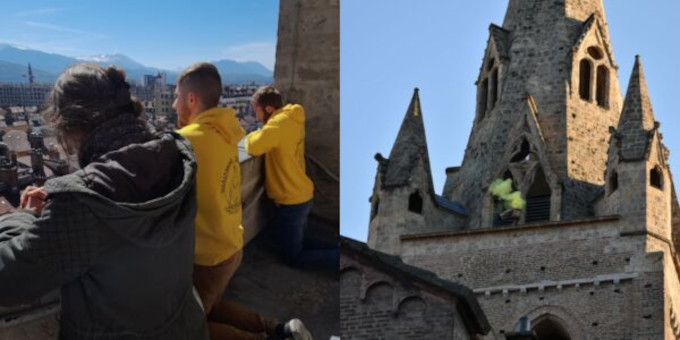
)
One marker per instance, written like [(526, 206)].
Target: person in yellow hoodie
[(214, 134), (282, 140)]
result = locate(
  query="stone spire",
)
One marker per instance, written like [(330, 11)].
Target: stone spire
[(409, 148), (520, 10), (637, 117)]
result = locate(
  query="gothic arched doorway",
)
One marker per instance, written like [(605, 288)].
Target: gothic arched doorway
[(550, 329)]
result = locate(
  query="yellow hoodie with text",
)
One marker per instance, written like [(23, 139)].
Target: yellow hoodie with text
[(282, 140), (214, 135)]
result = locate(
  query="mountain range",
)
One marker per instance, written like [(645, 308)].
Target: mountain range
[(47, 67)]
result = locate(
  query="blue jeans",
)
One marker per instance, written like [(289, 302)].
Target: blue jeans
[(291, 221)]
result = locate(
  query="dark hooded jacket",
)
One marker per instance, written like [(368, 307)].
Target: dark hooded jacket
[(118, 237)]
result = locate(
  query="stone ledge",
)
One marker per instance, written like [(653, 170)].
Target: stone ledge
[(523, 227), (559, 285)]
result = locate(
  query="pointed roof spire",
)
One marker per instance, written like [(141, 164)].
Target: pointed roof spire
[(519, 11), (409, 146), (637, 116)]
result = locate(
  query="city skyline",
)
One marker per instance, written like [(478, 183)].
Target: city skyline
[(438, 47), (166, 37)]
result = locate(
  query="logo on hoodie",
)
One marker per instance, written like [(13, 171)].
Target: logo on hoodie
[(230, 186)]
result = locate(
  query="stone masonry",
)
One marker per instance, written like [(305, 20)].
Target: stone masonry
[(383, 298), (307, 72)]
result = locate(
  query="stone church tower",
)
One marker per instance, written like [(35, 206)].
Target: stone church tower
[(591, 254)]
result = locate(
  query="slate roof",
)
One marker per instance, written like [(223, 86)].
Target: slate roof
[(637, 118), (450, 205), (500, 37), (408, 148), (584, 30)]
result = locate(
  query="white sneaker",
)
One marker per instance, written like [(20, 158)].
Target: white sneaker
[(297, 330)]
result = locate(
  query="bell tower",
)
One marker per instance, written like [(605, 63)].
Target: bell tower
[(557, 53)]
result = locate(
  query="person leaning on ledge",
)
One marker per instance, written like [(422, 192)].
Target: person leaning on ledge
[(282, 140)]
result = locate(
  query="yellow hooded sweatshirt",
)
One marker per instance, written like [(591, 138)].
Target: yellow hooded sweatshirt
[(282, 138), (214, 135)]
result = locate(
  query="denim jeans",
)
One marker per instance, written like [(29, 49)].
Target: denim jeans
[(291, 222)]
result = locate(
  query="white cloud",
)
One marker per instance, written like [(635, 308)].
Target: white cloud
[(262, 52)]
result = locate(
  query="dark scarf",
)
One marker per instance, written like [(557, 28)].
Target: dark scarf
[(113, 134)]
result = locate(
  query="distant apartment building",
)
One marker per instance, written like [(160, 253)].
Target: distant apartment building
[(238, 98), (23, 94), (142, 93), (148, 80), (155, 94), (163, 96)]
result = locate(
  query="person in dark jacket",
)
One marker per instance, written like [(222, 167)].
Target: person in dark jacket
[(117, 236)]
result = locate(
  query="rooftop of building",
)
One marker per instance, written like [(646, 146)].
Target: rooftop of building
[(395, 266)]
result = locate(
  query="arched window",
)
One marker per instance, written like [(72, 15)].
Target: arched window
[(613, 182), (415, 203), (656, 178), (602, 91), (584, 79), (379, 295), (538, 199), (549, 329), (487, 93), (494, 89), (483, 95)]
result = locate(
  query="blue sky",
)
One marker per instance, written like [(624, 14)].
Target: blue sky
[(388, 47), (165, 34)]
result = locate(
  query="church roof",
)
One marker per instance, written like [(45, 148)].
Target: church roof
[(409, 147), (637, 118), (450, 205), (586, 28), (395, 266), (500, 37)]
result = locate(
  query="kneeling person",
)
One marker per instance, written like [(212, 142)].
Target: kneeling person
[(282, 140)]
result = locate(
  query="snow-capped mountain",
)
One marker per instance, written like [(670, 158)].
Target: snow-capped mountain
[(115, 59), (48, 66)]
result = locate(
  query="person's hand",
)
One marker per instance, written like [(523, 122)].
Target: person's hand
[(33, 198)]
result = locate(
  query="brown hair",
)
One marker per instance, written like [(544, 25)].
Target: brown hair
[(268, 95), (204, 80), (86, 95)]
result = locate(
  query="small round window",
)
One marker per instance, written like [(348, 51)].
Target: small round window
[(595, 52)]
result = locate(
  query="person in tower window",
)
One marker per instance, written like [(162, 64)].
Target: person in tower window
[(282, 140)]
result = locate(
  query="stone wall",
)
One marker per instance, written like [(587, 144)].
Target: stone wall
[(394, 219), (307, 71), (598, 282), (377, 305), (587, 122)]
